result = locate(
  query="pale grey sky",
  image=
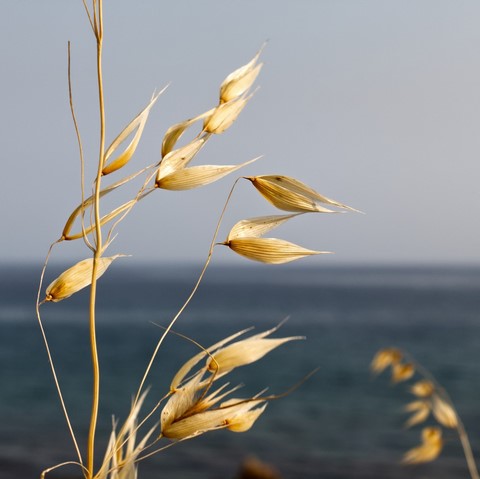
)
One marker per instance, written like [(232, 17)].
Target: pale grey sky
[(373, 103)]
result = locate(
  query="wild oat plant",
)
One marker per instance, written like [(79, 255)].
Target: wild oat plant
[(194, 404), (431, 402)]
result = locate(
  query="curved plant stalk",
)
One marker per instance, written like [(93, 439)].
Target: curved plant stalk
[(50, 357), (187, 301)]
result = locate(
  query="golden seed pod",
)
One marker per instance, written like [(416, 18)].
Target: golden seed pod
[(256, 227), (429, 450), (138, 124), (197, 176), (180, 402), (203, 422), (289, 194), (269, 250), (421, 410), (174, 133), (402, 372), (384, 358), (240, 81), (224, 115), (179, 158), (444, 412), (244, 352), (243, 422), (76, 278), (423, 388)]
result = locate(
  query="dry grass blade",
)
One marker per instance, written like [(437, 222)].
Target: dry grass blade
[(270, 250), (76, 278), (138, 124)]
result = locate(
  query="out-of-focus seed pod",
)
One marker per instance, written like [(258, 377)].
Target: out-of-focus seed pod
[(76, 278), (384, 358), (444, 412), (423, 388), (402, 372), (429, 450), (421, 410)]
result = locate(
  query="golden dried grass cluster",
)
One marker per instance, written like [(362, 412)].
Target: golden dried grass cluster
[(431, 403), (194, 405)]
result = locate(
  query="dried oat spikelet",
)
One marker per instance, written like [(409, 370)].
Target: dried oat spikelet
[(385, 358), (76, 278), (177, 159), (421, 410), (430, 448), (232, 416), (402, 372), (422, 388), (240, 81), (289, 194), (197, 176), (190, 409), (244, 352), (244, 239), (175, 132), (443, 412), (224, 115), (138, 124)]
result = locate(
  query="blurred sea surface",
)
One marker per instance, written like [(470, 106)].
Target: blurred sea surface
[(341, 423)]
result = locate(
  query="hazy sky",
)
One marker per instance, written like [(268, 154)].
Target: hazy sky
[(373, 103)]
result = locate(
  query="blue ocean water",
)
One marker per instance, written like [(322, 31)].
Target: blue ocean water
[(341, 423)]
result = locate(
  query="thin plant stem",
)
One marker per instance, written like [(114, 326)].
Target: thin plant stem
[(98, 249), (194, 290), (50, 357), (80, 147)]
